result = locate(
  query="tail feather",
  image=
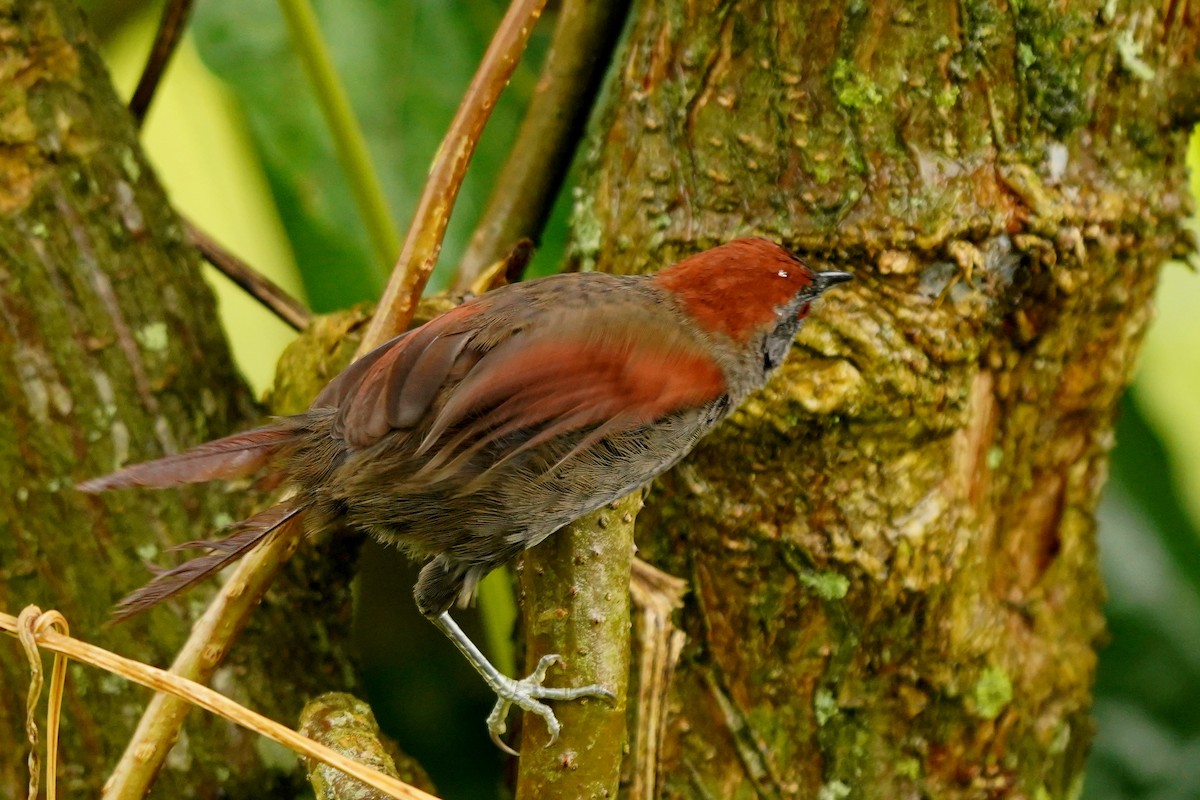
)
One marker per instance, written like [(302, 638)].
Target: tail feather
[(232, 457), (223, 552)]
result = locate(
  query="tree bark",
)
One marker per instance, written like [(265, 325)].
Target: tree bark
[(113, 354), (891, 550)]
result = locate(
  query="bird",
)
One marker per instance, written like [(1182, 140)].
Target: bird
[(475, 436)]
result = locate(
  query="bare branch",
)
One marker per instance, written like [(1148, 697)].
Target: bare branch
[(259, 286), (540, 156), (575, 592), (428, 228), (170, 31)]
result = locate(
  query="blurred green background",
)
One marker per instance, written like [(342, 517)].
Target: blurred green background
[(237, 138)]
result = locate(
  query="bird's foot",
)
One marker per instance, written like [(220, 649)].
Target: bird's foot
[(527, 694)]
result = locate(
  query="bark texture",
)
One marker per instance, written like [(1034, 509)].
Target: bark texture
[(112, 353), (891, 550)]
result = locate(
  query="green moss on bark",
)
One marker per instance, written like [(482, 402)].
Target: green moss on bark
[(891, 548)]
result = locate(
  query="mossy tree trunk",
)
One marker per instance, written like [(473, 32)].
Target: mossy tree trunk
[(112, 353), (891, 550)]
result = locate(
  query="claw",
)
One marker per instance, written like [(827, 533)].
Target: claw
[(527, 693), (543, 665), (496, 740)]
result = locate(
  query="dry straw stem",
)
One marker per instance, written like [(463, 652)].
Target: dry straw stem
[(29, 625), (191, 692), (225, 617), (656, 596), (424, 241)]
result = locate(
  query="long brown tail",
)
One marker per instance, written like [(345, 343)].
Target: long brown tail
[(232, 457), (245, 537)]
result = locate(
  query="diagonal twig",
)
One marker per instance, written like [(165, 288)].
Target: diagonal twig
[(537, 163), (207, 644), (428, 228), (257, 285), (170, 32)]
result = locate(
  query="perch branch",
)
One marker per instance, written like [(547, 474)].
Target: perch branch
[(575, 587)]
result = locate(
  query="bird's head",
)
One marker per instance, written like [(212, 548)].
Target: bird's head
[(751, 292)]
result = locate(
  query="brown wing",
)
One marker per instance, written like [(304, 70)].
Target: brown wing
[(591, 371), (472, 376), (393, 386)]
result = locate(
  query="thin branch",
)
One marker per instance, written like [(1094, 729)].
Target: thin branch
[(348, 138), (170, 32), (750, 747), (191, 692), (259, 286), (428, 228), (537, 164)]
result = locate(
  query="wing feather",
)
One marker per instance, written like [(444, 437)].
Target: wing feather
[(393, 385)]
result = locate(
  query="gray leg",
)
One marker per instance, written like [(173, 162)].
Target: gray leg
[(524, 694)]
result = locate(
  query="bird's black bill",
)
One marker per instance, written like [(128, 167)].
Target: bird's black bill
[(827, 279)]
